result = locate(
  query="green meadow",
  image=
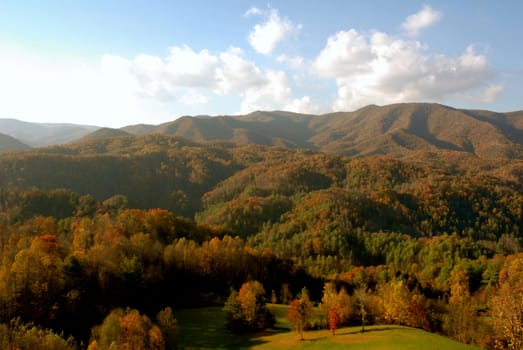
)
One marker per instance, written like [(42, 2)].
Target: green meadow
[(203, 328)]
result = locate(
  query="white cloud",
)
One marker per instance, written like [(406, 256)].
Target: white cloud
[(266, 36), (426, 17), (117, 91), (345, 53), (252, 11), (186, 77), (274, 93), (301, 105), (381, 69), (169, 79), (296, 62), (235, 73), (491, 92)]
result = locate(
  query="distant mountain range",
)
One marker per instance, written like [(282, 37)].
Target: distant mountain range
[(8, 143), (42, 134), (397, 130)]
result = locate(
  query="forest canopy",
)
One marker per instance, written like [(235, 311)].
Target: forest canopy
[(120, 230)]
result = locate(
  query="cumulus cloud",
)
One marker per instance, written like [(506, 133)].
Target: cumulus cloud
[(346, 53), (426, 17), (274, 93), (235, 73), (491, 92), (378, 68), (175, 77), (266, 36), (301, 105), (187, 76)]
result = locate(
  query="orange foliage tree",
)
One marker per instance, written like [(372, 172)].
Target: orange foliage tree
[(300, 312)]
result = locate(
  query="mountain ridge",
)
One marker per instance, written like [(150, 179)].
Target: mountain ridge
[(399, 130), (44, 134), (396, 129)]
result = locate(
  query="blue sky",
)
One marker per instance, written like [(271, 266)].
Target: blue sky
[(115, 63)]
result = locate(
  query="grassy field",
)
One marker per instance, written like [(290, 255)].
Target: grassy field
[(203, 328)]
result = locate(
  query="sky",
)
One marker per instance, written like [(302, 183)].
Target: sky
[(116, 63)]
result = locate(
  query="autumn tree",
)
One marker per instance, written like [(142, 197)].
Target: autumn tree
[(168, 325), (233, 313), (335, 305), (460, 318), (300, 312), (334, 319), (362, 301), (396, 300), (127, 330), (507, 306), (19, 335), (246, 310)]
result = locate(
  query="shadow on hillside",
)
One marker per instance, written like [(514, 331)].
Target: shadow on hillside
[(221, 338), (204, 328)]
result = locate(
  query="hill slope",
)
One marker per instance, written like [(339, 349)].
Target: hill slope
[(104, 133), (263, 128), (398, 130), (8, 143)]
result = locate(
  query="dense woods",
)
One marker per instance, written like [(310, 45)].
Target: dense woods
[(125, 231)]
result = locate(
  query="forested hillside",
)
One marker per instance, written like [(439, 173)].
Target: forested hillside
[(398, 130), (122, 228)]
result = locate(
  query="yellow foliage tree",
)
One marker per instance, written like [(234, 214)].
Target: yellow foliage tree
[(507, 305)]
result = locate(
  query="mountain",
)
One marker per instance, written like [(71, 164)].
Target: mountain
[(104, 133), (138, 129), (400, 130), (41, 134), (8, 143), (263, 128), (407, 130), (404, 128)]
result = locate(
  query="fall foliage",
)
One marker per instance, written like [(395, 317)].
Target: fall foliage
[(300, 312), (164, 222)]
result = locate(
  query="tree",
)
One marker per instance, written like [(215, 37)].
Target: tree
[(168, 325), (340, 301), (334, 319), (362, 303), (396, 300), (460, 317), (233, 313), (127, 330), (300, 312), (507, 305), (246, 310), (251, 296)]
